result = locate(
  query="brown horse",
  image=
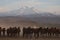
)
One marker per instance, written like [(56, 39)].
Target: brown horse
[(27, 32), (0, 30), (44, 31), (18, 31), (3, 31), (53, 31), (36, 32), (13, 31), (9, 31)]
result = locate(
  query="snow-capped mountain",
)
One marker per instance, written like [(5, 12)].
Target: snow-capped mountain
[(28, 14)]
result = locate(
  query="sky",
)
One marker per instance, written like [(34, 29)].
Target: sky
[(38, 5)]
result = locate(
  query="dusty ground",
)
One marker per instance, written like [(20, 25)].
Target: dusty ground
[(21, 38)]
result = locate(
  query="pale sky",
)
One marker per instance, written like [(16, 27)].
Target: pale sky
[(39, 5)]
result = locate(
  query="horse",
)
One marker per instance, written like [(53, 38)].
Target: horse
[(27, 32), (3, 31), (13, 31), (9, 31), (18, 31), (36, 32), (56, 31), (40, 31), (0, 30), (44, 31)]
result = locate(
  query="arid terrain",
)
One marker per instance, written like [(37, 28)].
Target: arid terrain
[(21, 38)]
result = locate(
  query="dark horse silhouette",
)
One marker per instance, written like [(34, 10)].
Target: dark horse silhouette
[(27, 32), (13, 31), (43, 31), (30, 32), (53, 31), (36, 32), (0, 31), (18, 31), (9, 31), (3, 31)]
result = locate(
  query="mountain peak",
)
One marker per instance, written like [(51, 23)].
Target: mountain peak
[(26, 11)]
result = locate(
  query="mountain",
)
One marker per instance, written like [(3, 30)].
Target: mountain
[(20, 11), (28, 14)]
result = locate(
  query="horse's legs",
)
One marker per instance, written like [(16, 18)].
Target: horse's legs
[(18, 33), (37, 35), (23, 34)]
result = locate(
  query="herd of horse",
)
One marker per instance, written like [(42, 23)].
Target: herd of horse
[(29, 32)]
